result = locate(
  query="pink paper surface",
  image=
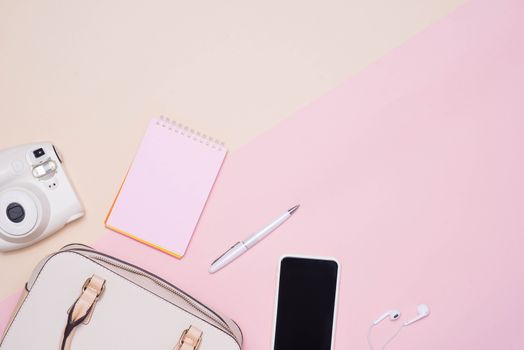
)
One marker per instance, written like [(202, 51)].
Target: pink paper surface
[(167, 186), (410, 174)]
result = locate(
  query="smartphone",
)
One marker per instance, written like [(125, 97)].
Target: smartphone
[(307, 294)]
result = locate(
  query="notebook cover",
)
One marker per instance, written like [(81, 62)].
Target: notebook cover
[(166, 188)]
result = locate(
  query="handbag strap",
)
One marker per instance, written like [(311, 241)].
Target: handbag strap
[(82, 310), (190, 339)]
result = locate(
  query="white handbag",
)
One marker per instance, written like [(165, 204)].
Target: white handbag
[(79, 298)]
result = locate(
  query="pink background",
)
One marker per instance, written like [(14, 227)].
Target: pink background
[(410, 174)]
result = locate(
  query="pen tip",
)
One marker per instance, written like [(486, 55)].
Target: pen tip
[(292, 210)]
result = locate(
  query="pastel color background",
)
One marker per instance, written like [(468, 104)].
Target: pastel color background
[(409, 173), (89, 75)]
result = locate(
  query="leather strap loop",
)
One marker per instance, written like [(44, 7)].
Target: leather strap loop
[(190, 339), (82, 309)]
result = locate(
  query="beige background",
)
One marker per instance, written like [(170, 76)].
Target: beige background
[(87, 75)]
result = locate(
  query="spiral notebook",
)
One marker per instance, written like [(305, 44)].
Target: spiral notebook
[(165, 190)]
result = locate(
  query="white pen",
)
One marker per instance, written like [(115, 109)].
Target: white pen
[(241, 247)]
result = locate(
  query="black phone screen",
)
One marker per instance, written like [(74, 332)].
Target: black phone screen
[(306, 304)]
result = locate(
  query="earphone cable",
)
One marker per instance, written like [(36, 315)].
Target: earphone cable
[(392, 337), (387, 341), (369, 336)]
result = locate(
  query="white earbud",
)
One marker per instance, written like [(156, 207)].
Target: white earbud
[(423, 311), (393, 315)]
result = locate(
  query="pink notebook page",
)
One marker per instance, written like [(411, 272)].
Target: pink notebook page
[(167, 186)]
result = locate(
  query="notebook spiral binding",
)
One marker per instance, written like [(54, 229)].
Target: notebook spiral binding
[(190, 133)]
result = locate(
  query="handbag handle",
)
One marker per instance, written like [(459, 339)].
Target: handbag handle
[(82, 310)]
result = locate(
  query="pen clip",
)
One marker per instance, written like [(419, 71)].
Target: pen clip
[(227, 251)]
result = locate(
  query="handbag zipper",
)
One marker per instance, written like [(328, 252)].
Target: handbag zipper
[(170, 289)]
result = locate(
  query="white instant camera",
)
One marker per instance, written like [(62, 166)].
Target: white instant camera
[(36, 197)]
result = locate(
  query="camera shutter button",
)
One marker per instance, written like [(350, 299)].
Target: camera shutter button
[(15, 212)]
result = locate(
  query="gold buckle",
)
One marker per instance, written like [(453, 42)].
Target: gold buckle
[(184, 338), (98, 292), (98, 295)]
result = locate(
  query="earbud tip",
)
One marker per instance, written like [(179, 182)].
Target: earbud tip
[(423, 309)]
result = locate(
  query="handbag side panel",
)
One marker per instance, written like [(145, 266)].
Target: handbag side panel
[(126, 316)]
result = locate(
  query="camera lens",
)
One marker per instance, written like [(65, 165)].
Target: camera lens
[(38, 153), (15, 212)]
